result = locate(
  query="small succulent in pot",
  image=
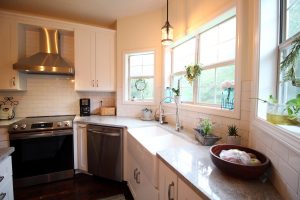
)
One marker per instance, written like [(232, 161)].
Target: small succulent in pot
[(233, 136), (206, 127), (232, 130), (204, 133)]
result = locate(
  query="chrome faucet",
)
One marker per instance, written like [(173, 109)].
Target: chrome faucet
[(161, 113)]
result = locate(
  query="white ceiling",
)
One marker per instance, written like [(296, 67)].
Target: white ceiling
[(99, 12)]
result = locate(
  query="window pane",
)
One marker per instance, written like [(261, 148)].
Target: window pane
[(227, 30), (138, 92), (218, 43), (141, 65), (183, 55), (223, 74), (293, 17), (206, 93), (186, 89), (135, 60)]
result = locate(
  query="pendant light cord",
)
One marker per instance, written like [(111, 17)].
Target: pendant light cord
[(167, 10)]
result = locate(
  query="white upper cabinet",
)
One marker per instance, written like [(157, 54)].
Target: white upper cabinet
[(94, 60), (9, 78)]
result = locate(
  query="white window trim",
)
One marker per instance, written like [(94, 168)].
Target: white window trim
[(126, 100), (284, 135), (236, 113)]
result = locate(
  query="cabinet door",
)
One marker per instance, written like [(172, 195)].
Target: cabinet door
[(82, 147), (167, 183), (84, 60), (186, 193), (105, 61), (6, 68)]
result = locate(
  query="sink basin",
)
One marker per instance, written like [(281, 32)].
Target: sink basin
[(143, 143)]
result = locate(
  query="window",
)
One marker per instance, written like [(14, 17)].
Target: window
[(290, 28), (278, 29), (139, 76), (215, 50)]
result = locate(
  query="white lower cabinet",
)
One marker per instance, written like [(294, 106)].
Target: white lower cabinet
[(185, 192), (82, 147), (6, 183), (171, 187), (140, 186)]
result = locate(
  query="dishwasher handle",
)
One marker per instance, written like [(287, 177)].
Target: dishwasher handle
[(104, 133)]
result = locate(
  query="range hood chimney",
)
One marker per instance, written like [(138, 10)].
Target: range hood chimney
[(48, 60)]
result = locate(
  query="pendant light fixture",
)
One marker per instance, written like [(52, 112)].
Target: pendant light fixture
[(167, 31)]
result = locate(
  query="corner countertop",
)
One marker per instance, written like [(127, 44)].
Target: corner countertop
[(4, 123), (116, 121), (193, 165), (4, 152)]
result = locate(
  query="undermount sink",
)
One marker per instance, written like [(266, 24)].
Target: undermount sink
[(143, 143)]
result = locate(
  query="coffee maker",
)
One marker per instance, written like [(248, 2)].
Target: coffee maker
[(85, 107)]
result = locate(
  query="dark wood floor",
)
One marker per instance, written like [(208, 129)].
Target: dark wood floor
[(81, 187)]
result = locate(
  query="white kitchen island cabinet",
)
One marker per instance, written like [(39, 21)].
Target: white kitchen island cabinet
[(172, 187), (10, 79), (6, 182), (94, 59)]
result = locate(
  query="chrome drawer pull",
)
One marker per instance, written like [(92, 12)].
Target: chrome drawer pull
[(169, 191), (1, 178), (2, 195)]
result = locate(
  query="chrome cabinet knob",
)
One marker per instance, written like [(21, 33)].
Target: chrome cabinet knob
[(59, 124), (23, 126), (15, 126)]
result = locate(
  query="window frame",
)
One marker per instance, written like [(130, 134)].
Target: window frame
[(127, 77), (235, 11), (281, 132)]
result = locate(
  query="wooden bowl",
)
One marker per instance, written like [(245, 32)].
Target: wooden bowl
[(239, 170)]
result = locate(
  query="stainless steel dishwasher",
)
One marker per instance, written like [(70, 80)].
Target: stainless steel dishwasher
[(105, 151)]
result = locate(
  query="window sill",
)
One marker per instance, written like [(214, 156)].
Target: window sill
[(235, 114), (145, 103), (288, 134)]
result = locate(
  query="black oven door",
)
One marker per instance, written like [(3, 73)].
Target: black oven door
[(42, 153)]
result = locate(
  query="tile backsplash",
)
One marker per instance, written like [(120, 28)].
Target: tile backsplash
[(54, 95)]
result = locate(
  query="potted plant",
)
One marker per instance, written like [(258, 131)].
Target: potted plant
[(280, 113), (176, 93), (192, 72), (204, 135), (293, 108), (291, 63), (233, 136)]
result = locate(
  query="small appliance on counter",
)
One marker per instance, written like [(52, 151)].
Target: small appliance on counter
[(85, 107), (7, 108)]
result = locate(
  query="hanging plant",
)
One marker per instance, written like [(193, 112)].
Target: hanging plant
[(288, 65), (192, 72)]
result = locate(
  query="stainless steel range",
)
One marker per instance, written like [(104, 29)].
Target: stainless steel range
[(43, 149)]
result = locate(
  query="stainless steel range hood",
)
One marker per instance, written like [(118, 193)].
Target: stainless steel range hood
[(48, 60)]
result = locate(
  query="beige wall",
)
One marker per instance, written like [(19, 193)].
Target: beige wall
[(136, 33)]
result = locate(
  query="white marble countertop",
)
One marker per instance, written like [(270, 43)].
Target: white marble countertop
[(4, 123), (4, 152), (190, 162), (193, 165)]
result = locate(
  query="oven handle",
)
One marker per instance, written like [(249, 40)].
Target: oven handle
[(40, 134)]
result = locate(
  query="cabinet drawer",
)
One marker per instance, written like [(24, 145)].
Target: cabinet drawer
[(5, 167), (6, 190)]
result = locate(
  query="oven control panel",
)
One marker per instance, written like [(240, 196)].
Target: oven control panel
[(42, 124)]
